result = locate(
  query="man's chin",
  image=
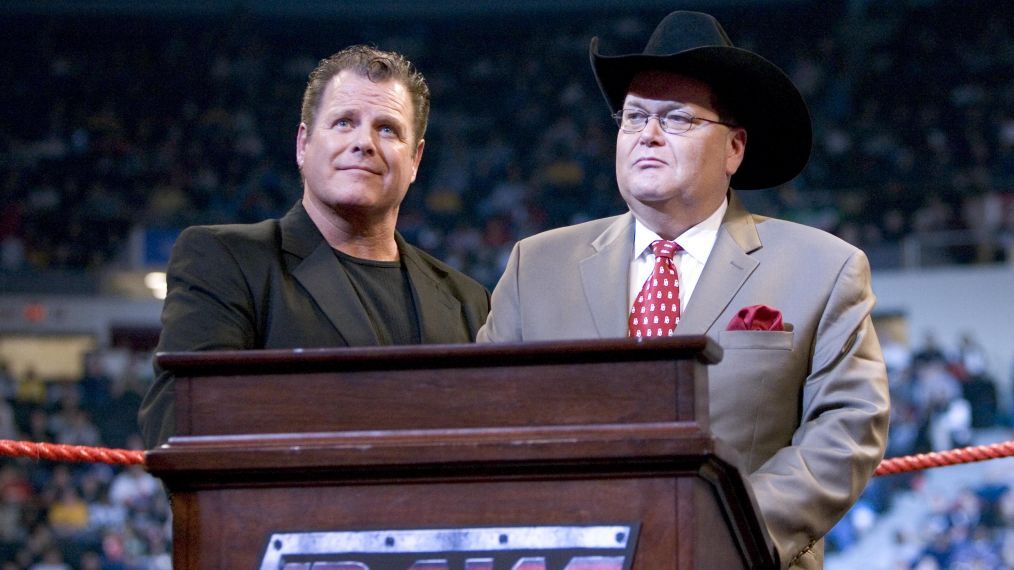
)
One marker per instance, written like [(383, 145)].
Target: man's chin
[(648, 196)]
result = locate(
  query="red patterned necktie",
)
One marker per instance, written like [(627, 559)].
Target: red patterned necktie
[(656, 310)]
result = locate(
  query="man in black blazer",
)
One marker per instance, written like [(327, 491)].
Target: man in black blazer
[(333, 271)]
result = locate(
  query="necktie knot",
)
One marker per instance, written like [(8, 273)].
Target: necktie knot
[(664, 248), (656, 309)]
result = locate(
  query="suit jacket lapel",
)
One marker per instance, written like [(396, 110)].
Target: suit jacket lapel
[(727, 268), (437, 309), (318, 271), (605, 272)]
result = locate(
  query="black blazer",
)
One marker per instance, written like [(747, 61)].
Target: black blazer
[(278, 284)]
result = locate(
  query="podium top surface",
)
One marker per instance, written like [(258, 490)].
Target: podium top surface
[(699, 348)]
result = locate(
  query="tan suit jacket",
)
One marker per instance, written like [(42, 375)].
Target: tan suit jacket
[(806, 408)]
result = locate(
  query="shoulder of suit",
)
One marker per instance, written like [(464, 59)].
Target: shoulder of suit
[(248, 236), (584, 232), (779, 233)]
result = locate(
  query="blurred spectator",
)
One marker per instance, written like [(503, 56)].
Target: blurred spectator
[(68, 515), (104, 515), (78, 429), (52, 559), (8, 421), (930, 351), (120, 411), (134, 487), (970, 357), (15, 492), (8, 385), (978, 386), (94, 384), (31, 389)]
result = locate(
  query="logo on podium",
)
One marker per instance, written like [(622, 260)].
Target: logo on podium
[(565, 547)]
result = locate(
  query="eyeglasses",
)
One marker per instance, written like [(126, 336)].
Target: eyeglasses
[(673, 122)]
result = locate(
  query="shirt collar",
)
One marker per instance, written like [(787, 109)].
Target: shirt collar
[(696, 241)]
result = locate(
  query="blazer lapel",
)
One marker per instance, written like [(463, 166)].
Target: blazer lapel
[(727, 268), (324, 279), (437, 309), (320, 274), (605, 272)]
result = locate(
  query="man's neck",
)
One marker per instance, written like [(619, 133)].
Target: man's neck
[(359, 236), (671, 219)]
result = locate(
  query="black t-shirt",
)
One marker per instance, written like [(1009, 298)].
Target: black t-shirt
[(386, 294)]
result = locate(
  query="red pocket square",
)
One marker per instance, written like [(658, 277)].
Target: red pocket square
[(757, 318)]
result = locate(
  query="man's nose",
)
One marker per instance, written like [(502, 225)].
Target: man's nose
[(364, 141), (652, 131)]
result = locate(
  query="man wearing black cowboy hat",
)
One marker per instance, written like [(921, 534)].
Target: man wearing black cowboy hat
[(801, 391)]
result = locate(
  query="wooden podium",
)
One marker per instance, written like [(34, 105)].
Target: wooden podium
[(304, 443)]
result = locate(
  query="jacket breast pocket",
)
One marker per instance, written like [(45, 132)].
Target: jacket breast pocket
[(760, 340)]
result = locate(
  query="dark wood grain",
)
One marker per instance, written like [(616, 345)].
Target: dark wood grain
[(469, 435)]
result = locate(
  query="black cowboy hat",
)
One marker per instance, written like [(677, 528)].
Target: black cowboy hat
[(759, 95)]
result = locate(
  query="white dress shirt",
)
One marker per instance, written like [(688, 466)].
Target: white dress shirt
[(696, 242)]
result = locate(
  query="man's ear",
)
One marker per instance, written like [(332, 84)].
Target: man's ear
[(302, 134), (418, 157), (736, 150)]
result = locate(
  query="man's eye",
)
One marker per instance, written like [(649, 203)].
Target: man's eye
[(677, 119), (343, 123), (636, 116)]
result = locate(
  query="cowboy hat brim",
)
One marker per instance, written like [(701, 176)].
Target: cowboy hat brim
[(761, 98)]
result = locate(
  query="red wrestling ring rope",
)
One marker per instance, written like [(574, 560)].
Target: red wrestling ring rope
[(944, 458), (893, 466), (76, 453)]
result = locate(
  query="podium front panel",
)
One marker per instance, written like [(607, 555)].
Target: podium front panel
[(298, 443), (227, 536)]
